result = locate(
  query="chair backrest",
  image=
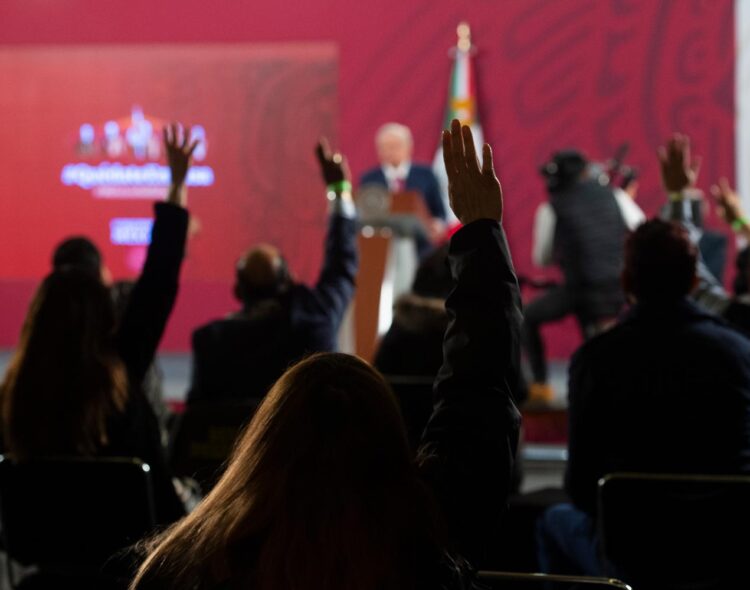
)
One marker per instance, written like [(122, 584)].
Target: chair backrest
[(675, 531), (204, 436), (414, 395), (71, 512), (526, 581)]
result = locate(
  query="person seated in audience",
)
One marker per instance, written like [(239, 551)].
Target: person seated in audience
[(679, 175), (81, 253), (238, 358), (74, 385), (667, 390), (322, 492), (413, 345)]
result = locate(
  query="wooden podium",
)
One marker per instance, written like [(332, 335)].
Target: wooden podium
[(382, 217)]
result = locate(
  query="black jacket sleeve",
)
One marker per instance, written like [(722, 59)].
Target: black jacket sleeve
[(203, 366), (154, 294), (335, 286), (470, 441)]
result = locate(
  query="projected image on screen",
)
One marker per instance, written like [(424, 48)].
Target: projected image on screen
[(81, 153)]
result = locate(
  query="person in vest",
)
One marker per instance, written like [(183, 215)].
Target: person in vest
[(581, 229)]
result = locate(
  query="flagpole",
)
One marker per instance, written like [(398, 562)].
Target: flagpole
[(461, 102)]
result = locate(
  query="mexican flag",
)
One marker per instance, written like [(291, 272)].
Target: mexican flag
[(462, 105)]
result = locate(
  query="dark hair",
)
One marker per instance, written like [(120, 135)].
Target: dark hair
[(321, 493), (66, 378), (433, 277), (563, 170), (262, 273), (78, 252), (660, 262)]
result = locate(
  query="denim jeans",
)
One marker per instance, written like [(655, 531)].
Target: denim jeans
[(566, 542)]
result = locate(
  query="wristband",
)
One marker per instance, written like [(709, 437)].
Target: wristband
[(341, 186), (676, 196), (740, 223)]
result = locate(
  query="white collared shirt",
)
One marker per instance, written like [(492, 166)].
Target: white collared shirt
[(395, 173)]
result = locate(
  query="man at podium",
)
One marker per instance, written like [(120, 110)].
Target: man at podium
[(394, 145)]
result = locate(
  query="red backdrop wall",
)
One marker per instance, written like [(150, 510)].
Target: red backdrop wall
[(585, 73)]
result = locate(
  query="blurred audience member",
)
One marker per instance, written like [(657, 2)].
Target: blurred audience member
[(81, 253), (281, 320), (74, 386), (322, 492), (413, 345), (153, 381), (667, 390), (679, 175), (581, 229)]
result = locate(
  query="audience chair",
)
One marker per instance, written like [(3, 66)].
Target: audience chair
[(524, 581), (414, 394), (675, 531), (204, 436), (68, 516)]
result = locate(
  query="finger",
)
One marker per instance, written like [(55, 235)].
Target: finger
[(165, 134), (450, 165), (661, 153), (674, 150), (192, 147), (724, 185), (488, 166), (457, 145), (320, 153), (472, 163), (185, 137), (173, 138), (345, 169), (695, 167), (324, 149), (685, 152)]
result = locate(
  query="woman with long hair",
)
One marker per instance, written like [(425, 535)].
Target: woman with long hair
[(73, 387), (322, 491)]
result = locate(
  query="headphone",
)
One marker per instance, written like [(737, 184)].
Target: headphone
[(277, 288)]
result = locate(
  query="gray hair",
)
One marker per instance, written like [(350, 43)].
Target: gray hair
[(397, 129)]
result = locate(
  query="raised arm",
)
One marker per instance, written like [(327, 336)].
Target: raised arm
[(155, 291), (469, 443), (679, 174), (335, 286)]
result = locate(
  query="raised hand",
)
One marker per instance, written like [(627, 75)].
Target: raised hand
[(678, 172), (179, 152), (728, 201), (474, 193), (333, 166)]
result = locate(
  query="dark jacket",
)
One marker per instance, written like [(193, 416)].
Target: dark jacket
[(239, 358), (470, 441), (666, 390), (421, 179), (413, 345), (135, 432)]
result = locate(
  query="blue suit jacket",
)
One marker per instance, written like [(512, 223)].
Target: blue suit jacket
[(239, 358), (421, 179)]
